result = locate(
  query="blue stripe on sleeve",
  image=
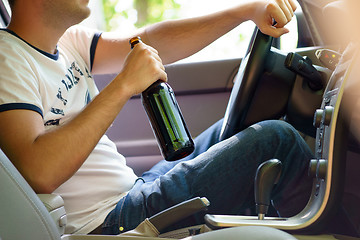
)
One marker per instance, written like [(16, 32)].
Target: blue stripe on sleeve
[(24, 106), (93, 48)]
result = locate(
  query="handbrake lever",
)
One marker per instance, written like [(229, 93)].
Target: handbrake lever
[(178, 212)]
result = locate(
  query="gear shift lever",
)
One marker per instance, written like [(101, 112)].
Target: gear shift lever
[(267, 175)]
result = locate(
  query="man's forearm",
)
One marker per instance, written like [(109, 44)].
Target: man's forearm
[(178, 39)]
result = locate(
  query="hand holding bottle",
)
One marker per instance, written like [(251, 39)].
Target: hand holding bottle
[(142, 67)]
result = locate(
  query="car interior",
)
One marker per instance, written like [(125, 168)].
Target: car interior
[(313, 87)]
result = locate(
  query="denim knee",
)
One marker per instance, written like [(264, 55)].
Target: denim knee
[(277, 127)]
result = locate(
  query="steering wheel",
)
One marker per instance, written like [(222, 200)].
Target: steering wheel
[(250, 71)]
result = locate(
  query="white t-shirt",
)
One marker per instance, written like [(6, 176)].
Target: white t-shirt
[(58, 86)]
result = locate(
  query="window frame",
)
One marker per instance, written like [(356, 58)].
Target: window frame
[(4, 14)]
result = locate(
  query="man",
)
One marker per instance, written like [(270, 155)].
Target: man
[(53, 120)]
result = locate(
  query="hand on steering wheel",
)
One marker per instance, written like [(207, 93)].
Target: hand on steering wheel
[(280, 11)]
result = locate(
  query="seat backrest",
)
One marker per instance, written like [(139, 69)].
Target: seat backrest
[(22, 214)]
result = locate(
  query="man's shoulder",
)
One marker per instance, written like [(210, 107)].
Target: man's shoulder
[(11, 45), (78, 41), (7, 38), (78, 32)]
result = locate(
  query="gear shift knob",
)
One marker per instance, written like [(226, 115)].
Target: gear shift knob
[(267, 175)]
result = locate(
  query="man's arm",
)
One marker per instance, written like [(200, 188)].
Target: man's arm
[(47, 158), (177, 39)]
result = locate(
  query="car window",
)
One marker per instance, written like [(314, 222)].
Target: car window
[(289, 41), (4, 13), (231, 45), (6, 3), (124, 17)]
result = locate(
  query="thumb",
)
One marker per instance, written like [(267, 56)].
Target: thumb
[(274, 31)]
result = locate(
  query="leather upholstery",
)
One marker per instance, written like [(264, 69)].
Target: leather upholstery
[(22, 214)]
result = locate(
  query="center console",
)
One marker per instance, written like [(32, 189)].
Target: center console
[(328, 167)]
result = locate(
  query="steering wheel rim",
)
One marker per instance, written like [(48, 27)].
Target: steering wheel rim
[(251, 68)]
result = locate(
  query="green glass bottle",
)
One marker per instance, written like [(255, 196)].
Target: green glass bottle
[(166, 119)]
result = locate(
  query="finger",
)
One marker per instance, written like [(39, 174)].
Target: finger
[(153, 49), (157, 57), (155, 53), (286, 9), (278, 15), (161, 66), (162, 75), (289, 7), (148, 50), (142, 45), (274, 31), (293, 4)]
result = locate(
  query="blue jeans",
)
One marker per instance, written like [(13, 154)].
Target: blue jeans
[(223, 172)]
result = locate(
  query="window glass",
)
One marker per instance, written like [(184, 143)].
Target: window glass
[(127, 15), (289, 41), (4, 15), (6, 3)]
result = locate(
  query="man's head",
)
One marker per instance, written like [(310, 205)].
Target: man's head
[(54, 13)]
